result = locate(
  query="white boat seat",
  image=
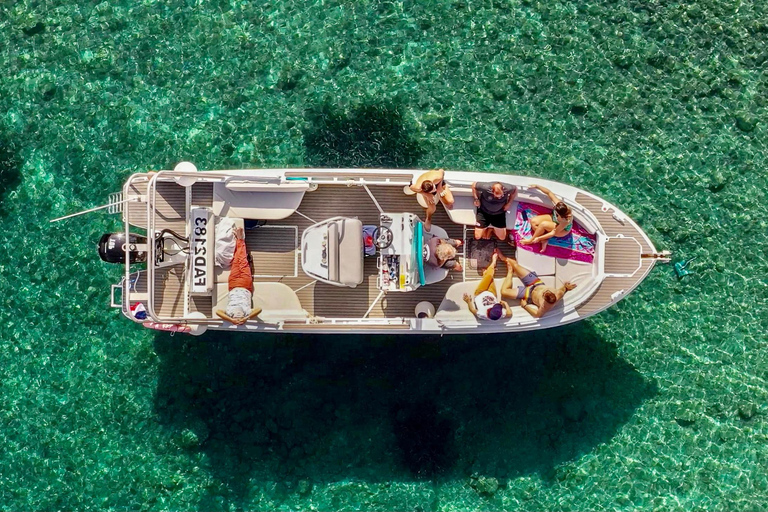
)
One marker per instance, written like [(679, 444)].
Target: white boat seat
[(463, 211), (344, 252), (263, 201), (277, 301), (537, 262)]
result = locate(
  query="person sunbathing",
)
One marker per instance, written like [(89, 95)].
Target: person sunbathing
[(535, 297), (544, 227), (483, 302), (239, 304), (431, 186)]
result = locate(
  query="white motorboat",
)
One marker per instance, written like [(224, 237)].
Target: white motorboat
[(307, 246)]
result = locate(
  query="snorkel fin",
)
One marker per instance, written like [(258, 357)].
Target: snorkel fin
[(680, 269)]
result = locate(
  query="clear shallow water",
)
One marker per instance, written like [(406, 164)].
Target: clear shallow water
[(658, 403)]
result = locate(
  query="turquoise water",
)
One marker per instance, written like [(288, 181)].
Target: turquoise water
[(658, 403)]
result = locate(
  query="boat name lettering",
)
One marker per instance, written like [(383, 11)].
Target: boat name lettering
[(200, 277)]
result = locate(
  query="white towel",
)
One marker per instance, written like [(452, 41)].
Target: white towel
[(225, 241)]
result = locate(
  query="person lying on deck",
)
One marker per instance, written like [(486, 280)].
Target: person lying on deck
[(544, 227), (534, 296), (483, 303), (493, 200), (441, 253), (240, 295), (432, 187)]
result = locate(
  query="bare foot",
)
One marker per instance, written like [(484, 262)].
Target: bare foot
[(543, 246), (501, 256), (510, 263), (526, 241), (494, 259), (239, 233)]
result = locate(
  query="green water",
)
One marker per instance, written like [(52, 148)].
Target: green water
[(658, 403)]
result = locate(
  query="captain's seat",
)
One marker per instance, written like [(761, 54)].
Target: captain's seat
[(332, 251)]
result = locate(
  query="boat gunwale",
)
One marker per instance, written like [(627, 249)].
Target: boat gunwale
[(218, 176)]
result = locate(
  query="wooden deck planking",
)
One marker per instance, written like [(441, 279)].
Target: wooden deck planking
[(137, 212), (273, 250), (330, 301), (616, 259), (202, 194), (169, 291), (171, 207)]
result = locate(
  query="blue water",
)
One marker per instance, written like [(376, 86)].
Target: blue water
[(657, 403)]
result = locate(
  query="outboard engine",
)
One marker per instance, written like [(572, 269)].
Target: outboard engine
[(112, 250)]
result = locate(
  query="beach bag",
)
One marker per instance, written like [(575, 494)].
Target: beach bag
[(369, 238)]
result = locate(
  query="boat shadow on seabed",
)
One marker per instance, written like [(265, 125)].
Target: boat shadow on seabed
[(378, 408)]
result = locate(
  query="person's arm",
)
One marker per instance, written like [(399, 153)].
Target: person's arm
[(532, 309), (546, 236), (511, 199), (254, 312), (468, 300), (453, 264), (474, 194), (224, 316), (567, 286), (507, 309), (552, 197)]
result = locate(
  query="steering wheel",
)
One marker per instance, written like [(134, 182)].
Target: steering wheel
[(382, 237)]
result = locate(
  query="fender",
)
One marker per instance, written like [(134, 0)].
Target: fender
[(167, 327)]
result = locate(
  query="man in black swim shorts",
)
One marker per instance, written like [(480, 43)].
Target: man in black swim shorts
[(492, 199)]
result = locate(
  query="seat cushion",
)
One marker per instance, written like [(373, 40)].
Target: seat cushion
[(277, 301), (272, 205), (350, 252), (539, 263), (463, 211)]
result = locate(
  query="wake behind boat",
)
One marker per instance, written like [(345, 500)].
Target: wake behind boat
[(346, 250)]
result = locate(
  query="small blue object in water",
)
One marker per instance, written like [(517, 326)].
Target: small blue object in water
[(680, 269)]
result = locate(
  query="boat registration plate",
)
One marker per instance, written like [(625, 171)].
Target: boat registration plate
[(201, 251)]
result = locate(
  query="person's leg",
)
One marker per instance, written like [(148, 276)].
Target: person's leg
[(520, 271), (486, 283), (447, 198), (540, 230), (501, 233), (430, 210), (540, 224), (481, 223), (506, 286), (240, 272)]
